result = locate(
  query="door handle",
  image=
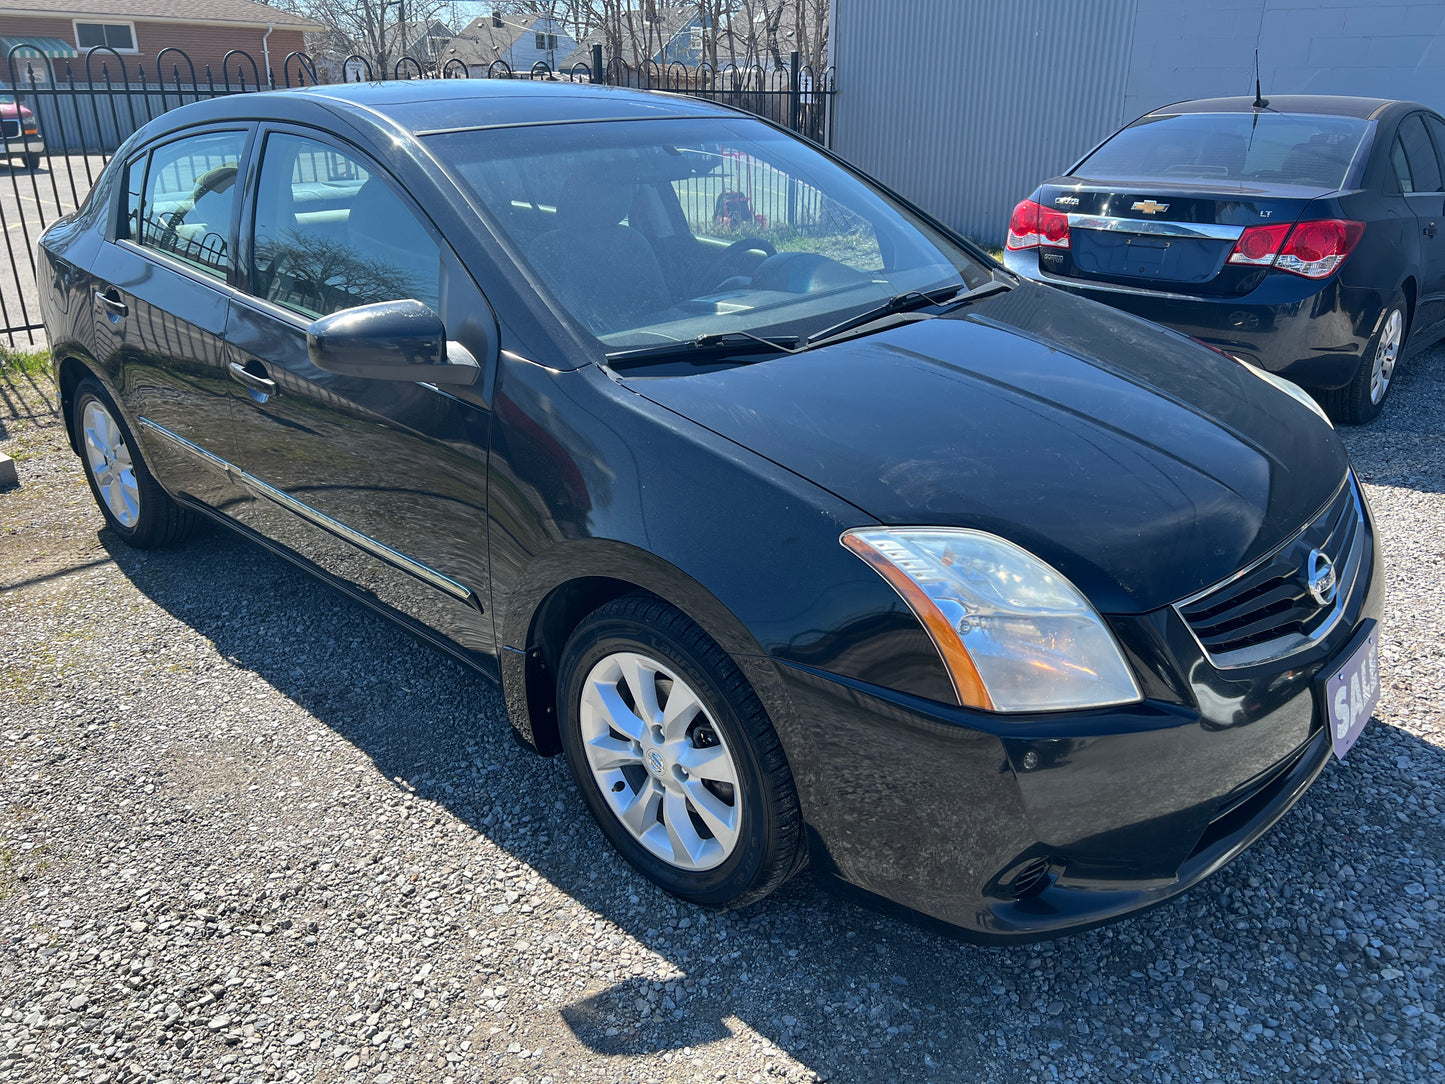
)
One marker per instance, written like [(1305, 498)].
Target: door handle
[(110, 301), (1430, 230), (254, 381)]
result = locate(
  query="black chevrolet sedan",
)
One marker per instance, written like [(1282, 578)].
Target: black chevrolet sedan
[(803, 530), (1301, 234)]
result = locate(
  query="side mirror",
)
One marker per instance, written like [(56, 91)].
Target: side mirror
[(392, 340)]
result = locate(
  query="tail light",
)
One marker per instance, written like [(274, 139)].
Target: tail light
[(1033, 224), (1312, 249)]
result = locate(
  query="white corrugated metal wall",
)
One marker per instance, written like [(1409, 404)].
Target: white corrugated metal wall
[(965, 105)]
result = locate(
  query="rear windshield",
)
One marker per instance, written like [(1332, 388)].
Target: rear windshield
[(1248, 147)]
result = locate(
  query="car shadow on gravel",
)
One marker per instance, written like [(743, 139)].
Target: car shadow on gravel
[(1321, 938)]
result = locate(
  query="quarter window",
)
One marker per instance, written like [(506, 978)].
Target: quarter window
[(190, 191), (330, 234), (117, 36), (1402, 166), (135, 174)]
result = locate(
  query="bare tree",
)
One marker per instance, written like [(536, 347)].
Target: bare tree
[(379, 31)]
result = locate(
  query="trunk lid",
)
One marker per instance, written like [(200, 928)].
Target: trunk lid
[(1158, 235)]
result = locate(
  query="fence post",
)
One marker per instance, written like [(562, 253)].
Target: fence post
[(795, 97), (598, 74)]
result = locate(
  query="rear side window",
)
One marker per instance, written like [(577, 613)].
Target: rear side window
[(1424, 167), (190, 190), (1272, 148), (330, 235)]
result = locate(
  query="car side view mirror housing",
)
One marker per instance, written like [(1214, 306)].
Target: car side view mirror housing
[(391, 340)]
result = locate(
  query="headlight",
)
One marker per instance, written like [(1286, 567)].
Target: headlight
[(1289, 387), (1013, 633)]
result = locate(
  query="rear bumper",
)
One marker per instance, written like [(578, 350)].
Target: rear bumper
[(1313, 332), (1021, 828)]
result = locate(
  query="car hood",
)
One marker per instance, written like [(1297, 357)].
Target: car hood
[(1140, 464)]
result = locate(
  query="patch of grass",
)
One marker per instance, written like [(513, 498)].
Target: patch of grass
[(25, 362)]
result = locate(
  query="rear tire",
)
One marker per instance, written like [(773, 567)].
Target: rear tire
[(134, 505), (1362, 399), (675, 757)]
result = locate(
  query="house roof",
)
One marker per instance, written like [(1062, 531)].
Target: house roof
[(213, 12), (481, 42)]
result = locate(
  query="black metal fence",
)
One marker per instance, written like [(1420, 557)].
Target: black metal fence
[(61, 120)]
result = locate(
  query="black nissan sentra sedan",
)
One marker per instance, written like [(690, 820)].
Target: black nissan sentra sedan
[(803, 530), (1302, 234)]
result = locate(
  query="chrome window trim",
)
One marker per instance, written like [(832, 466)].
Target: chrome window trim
[(1200, 230), (1281, 648), (320, 519)]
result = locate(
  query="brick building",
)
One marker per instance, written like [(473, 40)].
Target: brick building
[(135, 32)]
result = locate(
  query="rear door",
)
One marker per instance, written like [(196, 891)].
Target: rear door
[(381, 484), (160, 298), (1418, 172)]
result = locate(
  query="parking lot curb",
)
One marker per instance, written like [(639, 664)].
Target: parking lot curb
[(8, 477)]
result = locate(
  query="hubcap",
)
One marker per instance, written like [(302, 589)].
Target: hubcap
[(660, 761), (109, 459), (1385, 354)]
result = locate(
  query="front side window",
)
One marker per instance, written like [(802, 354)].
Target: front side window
[(190, 191), (1273, 148), (652, 231), (331, 235), (118, 36)]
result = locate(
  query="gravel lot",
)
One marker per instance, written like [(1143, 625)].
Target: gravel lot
[(251, 832)]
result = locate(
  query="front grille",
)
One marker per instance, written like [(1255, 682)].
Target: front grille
[(1267, 612), (10, 129)]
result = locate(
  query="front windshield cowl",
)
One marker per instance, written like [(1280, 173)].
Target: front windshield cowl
[(669, 231)]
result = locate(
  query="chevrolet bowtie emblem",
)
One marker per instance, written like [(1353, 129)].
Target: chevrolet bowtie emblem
[(1149, 207)]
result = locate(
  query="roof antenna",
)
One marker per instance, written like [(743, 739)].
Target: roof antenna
[(1260, 101)]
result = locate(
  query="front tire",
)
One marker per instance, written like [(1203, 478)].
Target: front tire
[(1362, 399), (134, 505), (675, 757)]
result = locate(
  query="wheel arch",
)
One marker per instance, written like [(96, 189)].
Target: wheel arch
[(563, 587), (70, 370), (1411, 290)]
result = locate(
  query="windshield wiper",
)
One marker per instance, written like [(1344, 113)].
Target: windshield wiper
[(728, 343), (907, 302)]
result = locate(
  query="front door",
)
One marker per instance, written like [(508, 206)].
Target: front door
[(381, 484)]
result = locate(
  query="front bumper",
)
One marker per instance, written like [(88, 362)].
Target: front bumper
[(1012, 829), (1313, 332)]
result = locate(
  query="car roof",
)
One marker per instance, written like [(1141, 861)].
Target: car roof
[(433, 105), (1327, 104)]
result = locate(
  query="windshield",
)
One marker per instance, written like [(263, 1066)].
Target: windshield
[(1279, 148), (654, 231)]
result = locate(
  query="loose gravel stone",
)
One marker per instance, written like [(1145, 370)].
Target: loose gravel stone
[(251, 832)]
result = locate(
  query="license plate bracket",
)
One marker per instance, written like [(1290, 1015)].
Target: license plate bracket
[(1351, 691)]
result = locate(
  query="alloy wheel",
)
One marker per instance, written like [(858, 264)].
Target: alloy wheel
[(1387, 351), (109, 459), (660, 761)]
